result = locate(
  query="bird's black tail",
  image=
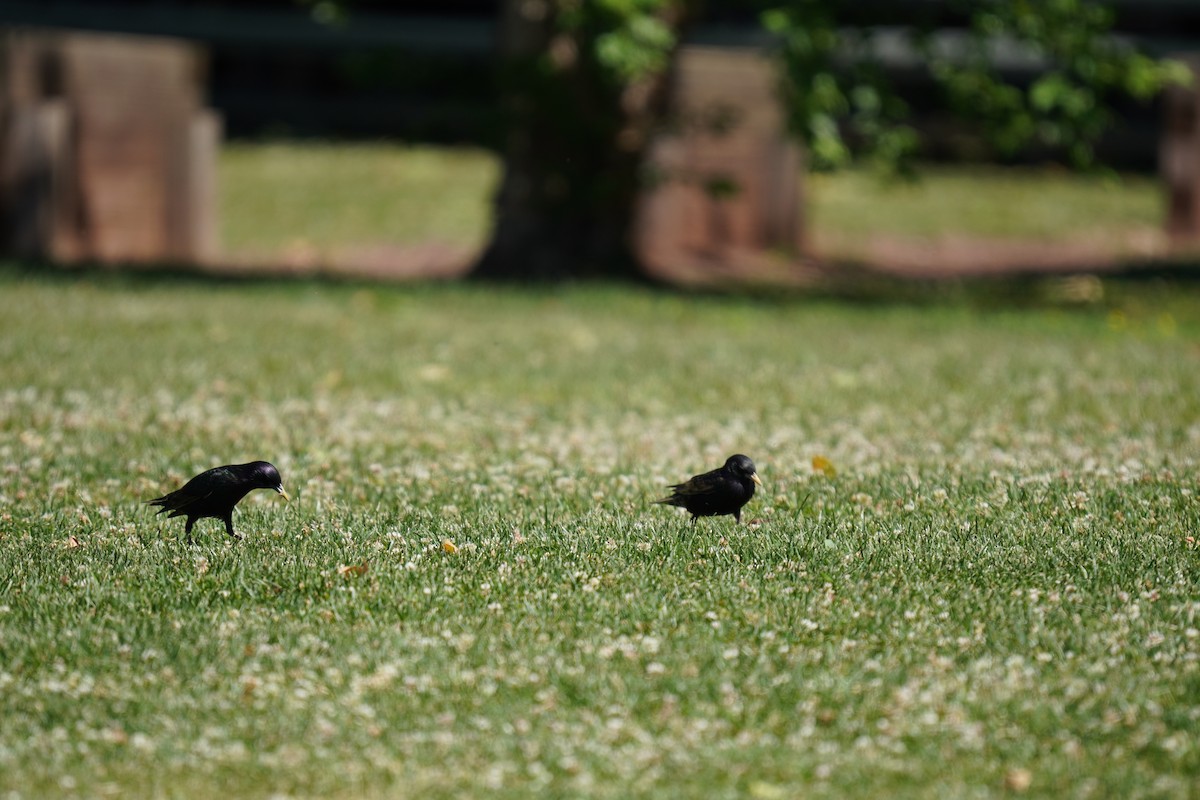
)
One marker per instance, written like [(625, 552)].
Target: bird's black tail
[(164, 502)]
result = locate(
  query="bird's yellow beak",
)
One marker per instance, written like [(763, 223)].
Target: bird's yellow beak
[(285, 494), (754, 477)]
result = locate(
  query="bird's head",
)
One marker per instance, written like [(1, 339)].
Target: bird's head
[(267, 477), (742, 467)]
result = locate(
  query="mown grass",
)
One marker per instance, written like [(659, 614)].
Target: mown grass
[(994, 593), (990, 202), (281, 195)]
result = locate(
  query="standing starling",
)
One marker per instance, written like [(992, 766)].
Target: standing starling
[(714, 494), (215, 492)]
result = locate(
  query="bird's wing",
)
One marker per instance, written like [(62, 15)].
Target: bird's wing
[(198, 488), (698, 484), (213, 479), (178, 500)]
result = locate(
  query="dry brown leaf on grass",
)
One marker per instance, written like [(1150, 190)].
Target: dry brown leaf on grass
[(353, 570), (1018, 779)]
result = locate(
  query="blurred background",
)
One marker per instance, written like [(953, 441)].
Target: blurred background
[(733, 142)]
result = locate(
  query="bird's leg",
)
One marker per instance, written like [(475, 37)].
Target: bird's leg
[(187, 529), (229, 527), (737, 517)]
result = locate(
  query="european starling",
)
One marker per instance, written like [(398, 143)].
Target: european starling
[(714, 494), (215, 492)]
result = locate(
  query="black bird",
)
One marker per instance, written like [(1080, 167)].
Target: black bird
[(714, 494), (215, 492)]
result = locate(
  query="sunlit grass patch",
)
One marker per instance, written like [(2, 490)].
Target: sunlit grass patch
[(989, 202), (288, 195), (972, 569), (303, 196)]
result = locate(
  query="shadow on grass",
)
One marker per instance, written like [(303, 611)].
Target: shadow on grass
[(850, 283), (150, 275), (1016, 289)]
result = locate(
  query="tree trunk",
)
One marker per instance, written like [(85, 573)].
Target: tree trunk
[(576, 137)]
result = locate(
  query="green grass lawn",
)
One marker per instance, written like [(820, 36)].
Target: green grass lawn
[(281, 195), (989, 202), (993, 592)]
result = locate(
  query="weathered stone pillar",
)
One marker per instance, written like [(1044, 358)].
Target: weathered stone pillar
[(109, 154), (726, 181), (1179, 159)]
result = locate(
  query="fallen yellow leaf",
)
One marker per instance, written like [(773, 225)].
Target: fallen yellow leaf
[(824, 466), (767, 791), (73, 542), (449, 546)]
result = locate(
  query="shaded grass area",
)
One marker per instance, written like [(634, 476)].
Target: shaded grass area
[(286, 195), (992, 587)]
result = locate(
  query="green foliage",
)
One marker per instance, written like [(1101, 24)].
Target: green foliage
[(823, 93), (628, 40), (840, 99), (639, 45), (332, 13), (993, 587)]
